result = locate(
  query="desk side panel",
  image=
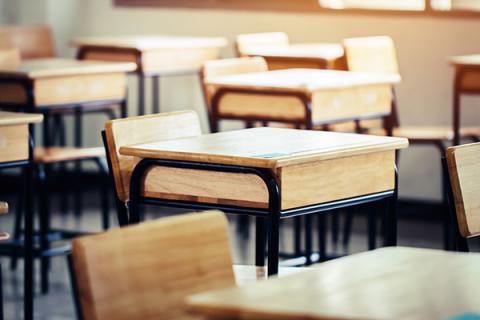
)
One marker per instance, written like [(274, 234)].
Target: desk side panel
[(361, 101), (257, 106), (13, 143), (81, 88), (111, 56), (335, 179), (177, 60), (470, 79), (206, 186)]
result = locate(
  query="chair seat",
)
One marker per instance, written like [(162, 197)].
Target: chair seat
[(248, 274), (429, 133), (60, 154), (3, 207)]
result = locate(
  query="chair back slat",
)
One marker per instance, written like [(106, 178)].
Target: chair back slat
[(9, 58), (245, 43), (464, 170), (144, 129), (31, 41), (146, 271), (371, 54)]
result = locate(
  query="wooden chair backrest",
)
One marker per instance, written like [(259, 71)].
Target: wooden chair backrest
[(144, 129), (3, 207), (146, 271), (464, 170), (226, 67), (31, 41), (371, 54), (244, 43), (9, 58)]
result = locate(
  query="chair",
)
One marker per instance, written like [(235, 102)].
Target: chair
[(225, 67), (245, 43), (378, 55), (141, 129), (146, 271), (464, 171)]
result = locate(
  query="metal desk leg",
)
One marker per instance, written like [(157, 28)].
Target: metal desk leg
[(156, 94), (260, 241), (28, 271), (391, 219), (308, 239), (141, 94), (273, 243)]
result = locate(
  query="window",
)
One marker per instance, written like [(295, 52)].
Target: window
[(414, 7)]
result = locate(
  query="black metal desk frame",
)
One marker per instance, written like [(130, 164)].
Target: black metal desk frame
[(272, 215)]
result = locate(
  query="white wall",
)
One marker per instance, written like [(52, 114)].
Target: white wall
[(424, 43)]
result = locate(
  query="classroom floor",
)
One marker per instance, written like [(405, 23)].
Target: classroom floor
[(57, 305)]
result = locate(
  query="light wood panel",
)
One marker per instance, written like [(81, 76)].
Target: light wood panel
[(371, 54), (154, 54), (324, 181), (64, 81), (265, 147), (3, 207), (300, 55), (390, 283), (224, 67), (56, 67), (144, 129), (15, 118), (146, 271), (9, 58), (308, 165), (14, 135), (14, 142), (429, 133), (334, 95), (464, 170), (302, 80), (58, 154), (34, 41), (206, 186), (246, 43)]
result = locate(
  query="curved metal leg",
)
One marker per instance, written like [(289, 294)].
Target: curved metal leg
[(260, 241)]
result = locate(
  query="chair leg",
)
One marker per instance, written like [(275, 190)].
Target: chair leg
[(44, 215), (308, 239), (347, 228), (260, 241), (78, 164), (335, 227), (372, 227), (74, 286), (44, 209), (104, 194), (17, 227), (243, 226), (1, 294), (322, 237), (297, 234)]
